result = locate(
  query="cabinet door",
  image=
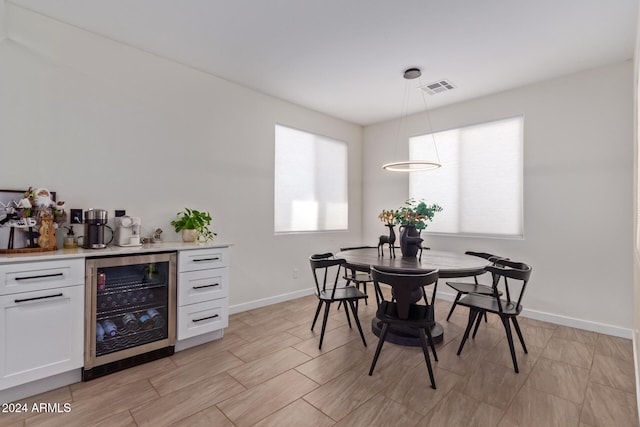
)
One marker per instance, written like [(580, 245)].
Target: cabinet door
[(41, 334)]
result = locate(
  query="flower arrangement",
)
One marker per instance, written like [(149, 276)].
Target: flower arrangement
[(415, 213)]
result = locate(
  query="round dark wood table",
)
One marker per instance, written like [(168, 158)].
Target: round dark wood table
[(450, 265)]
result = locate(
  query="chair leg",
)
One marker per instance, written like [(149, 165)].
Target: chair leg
[(383, 334), (317, 313), (485, 317), (478, 321), (517, 328), (453, 306), (472, 318), (507, 328), (357, 319), (431, 343), (427, 359), (324, 322), (346, 312), (364, 289)]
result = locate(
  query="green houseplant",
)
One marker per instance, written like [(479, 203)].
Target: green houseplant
[(416, 213), (197, 221)]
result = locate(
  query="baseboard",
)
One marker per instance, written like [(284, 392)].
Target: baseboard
[(40, 386), (199, 339), (564, 320), (532, 314), (269, 301)]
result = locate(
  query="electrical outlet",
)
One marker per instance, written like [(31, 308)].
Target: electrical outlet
[(296, 273), (120, 212), (76, 216)]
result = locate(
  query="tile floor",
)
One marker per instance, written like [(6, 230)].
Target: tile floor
[(268, 371)]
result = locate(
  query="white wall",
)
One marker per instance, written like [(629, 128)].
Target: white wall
[(109, 126), (3, 32), (578, 143)]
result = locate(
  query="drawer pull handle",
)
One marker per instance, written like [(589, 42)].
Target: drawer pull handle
[(207, 259), (36, 298), (206, 286), (42, 276), (205, 318)]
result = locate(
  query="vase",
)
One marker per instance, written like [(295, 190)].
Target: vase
[(189, 236), (410, 241)]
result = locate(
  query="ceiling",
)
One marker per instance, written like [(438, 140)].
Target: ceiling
[(346, 58)]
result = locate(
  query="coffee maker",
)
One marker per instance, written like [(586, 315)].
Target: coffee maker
[(95, 221), (128, 231)]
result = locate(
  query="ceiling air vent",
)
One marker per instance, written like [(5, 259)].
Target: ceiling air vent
[(437, 87)]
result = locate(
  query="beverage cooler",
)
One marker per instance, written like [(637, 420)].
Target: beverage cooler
[(130, 311)]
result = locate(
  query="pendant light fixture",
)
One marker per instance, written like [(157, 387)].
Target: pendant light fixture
[(421, 164)]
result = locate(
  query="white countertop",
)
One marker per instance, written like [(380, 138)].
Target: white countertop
[(108, 251)]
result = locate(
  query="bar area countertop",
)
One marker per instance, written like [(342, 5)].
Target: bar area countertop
[(111, 250)]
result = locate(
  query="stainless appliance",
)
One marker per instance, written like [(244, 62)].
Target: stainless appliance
[(128, 231), (130, 304), (95, 221)]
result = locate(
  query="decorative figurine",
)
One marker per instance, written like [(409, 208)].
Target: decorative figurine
[(387, 240)]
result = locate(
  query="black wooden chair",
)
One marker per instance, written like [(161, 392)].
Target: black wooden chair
[(508, 309), (357, 275), (464, 288), (328, 291), (407, 288)]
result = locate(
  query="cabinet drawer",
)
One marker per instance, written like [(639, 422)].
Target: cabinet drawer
[(41, 334), (33, 276), (200, 259), (203, 285), (208, 316)]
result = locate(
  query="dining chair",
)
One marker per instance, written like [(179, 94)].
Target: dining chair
[(463, 288), (516, 276), (357, 275), (407, 288), (328, 291)]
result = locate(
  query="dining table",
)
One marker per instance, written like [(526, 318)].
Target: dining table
[(449, 265)]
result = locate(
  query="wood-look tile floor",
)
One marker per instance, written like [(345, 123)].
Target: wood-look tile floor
[(268, 371)]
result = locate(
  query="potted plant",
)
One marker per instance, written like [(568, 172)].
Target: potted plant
[(412, 218), (194, 225)]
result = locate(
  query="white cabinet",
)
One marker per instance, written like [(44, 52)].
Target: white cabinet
[(42, 326), (203, 291)]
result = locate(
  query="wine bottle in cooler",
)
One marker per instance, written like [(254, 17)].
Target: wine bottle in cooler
[(99, 332), (110, 328), (156, 317)]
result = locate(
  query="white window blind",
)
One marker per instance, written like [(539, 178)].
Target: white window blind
[(479, 185), (310, 182)]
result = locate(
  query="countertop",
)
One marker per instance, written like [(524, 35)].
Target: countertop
[(108, 251)]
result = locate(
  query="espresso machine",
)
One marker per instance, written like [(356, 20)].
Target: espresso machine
[(95, 221), (128, 231)]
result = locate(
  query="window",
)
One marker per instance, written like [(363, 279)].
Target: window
[(479, 185), (310, 182)]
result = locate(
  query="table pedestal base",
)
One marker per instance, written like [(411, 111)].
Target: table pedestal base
[(406, 336)]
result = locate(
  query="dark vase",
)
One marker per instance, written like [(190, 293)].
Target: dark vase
[(410, 241)]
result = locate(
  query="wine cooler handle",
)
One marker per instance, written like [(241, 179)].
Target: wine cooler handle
[(42, 276), (206, 286), (36, 298), (205, 318), (207, 259)]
